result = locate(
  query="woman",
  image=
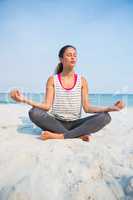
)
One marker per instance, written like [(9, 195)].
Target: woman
[(66, 93)]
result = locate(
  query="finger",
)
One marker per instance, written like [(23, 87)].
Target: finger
[(117, 102), (121, 105), (12, 94), (18, 92), (17, 96)]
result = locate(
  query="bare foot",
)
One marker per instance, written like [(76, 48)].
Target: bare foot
[(45, 135), (85, 138)]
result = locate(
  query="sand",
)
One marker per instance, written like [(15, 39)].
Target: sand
[(31, 169)]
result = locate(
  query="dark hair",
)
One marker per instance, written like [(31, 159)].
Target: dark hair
[(59, 67)]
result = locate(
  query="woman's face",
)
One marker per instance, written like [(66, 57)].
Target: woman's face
[(69, 58)]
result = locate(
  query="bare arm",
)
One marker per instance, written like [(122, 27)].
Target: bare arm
[(88, 108), (45, 105)]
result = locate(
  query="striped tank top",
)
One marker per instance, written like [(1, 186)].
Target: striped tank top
[(67, 102)]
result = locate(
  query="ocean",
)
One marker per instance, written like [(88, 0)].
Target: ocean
[(95, 99)]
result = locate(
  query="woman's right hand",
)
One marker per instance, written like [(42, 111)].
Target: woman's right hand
[(17, 96)]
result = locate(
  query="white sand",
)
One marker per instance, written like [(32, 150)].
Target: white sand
[(31, 169)]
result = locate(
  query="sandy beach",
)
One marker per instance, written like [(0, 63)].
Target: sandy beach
[(69, 169)]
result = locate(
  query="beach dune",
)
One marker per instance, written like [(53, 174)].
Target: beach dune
[(32, 169)]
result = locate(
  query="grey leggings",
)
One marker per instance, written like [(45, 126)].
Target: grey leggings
[(70, 129)]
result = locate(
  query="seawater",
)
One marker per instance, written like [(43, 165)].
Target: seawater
[(95, 99)]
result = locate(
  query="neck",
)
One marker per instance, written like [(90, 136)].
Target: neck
[(67, 73)]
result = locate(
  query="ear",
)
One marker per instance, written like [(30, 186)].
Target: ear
[(61, 60)]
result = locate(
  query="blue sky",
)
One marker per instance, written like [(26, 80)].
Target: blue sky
[(32, 32)]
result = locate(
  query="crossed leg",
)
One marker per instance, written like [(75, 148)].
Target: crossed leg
[(81, 128)]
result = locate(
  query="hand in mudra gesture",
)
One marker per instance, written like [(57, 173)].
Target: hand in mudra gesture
[(117, 106), (120, 104), (17, 96)]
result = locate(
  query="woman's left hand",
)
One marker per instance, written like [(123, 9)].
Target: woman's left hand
[(120, 104), (116, 107)]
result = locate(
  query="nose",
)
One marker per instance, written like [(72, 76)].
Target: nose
[(73, 57)]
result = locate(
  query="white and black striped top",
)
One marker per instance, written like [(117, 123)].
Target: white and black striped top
[(67, 102)]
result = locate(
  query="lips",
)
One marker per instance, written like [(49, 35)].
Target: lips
[(73, 62)]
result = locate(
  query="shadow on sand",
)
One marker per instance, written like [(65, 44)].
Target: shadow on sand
[(27, 127)]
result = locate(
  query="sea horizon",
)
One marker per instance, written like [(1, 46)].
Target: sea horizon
[(102, 99)]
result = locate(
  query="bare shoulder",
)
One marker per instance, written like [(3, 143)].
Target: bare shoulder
[(84, 82), (50, 81)]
